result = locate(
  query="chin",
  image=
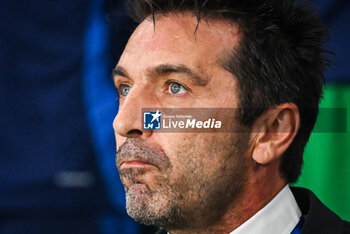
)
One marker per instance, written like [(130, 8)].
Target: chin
[(150, 207)]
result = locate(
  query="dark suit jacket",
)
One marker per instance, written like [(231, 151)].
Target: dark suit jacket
[(318, 218)]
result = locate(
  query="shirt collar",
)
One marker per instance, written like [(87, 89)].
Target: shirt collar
[(279, 216)]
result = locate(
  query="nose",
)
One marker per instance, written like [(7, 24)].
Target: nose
[(128, 121)]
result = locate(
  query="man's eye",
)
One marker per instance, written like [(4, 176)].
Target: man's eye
[(124, 90), (176, 88)]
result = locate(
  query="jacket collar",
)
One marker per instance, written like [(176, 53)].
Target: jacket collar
[(318, 218)]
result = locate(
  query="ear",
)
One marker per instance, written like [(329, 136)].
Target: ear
[(273, 132)]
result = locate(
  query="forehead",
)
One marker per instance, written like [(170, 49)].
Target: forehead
[(174, 39)]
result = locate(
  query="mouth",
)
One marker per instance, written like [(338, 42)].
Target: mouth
[(135, 164), (134, 172)]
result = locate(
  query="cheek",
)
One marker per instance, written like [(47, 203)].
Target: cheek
[(190, 152)]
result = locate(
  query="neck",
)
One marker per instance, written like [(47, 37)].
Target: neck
[(257, 194)]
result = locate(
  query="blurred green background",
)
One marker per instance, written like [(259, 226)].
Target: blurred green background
[(326, 169)]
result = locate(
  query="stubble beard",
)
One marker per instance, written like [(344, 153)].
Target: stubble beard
[(152, 207), (194, 199)]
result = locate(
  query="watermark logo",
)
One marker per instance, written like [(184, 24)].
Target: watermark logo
[(228, 120), (181, 119), (152, 120)]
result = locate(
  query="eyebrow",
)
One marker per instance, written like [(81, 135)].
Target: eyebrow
[(166, 69), (119, 71)]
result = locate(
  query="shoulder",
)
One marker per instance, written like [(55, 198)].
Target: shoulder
[(318, 218), (347, 227)]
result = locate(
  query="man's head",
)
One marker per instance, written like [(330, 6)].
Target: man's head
[(263, 58)]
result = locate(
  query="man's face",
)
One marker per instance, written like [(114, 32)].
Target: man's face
[(178, 180)]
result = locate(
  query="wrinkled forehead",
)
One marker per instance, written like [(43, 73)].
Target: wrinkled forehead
[(178, 31)]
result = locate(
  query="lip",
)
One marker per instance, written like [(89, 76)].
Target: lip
[(134, 164)]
